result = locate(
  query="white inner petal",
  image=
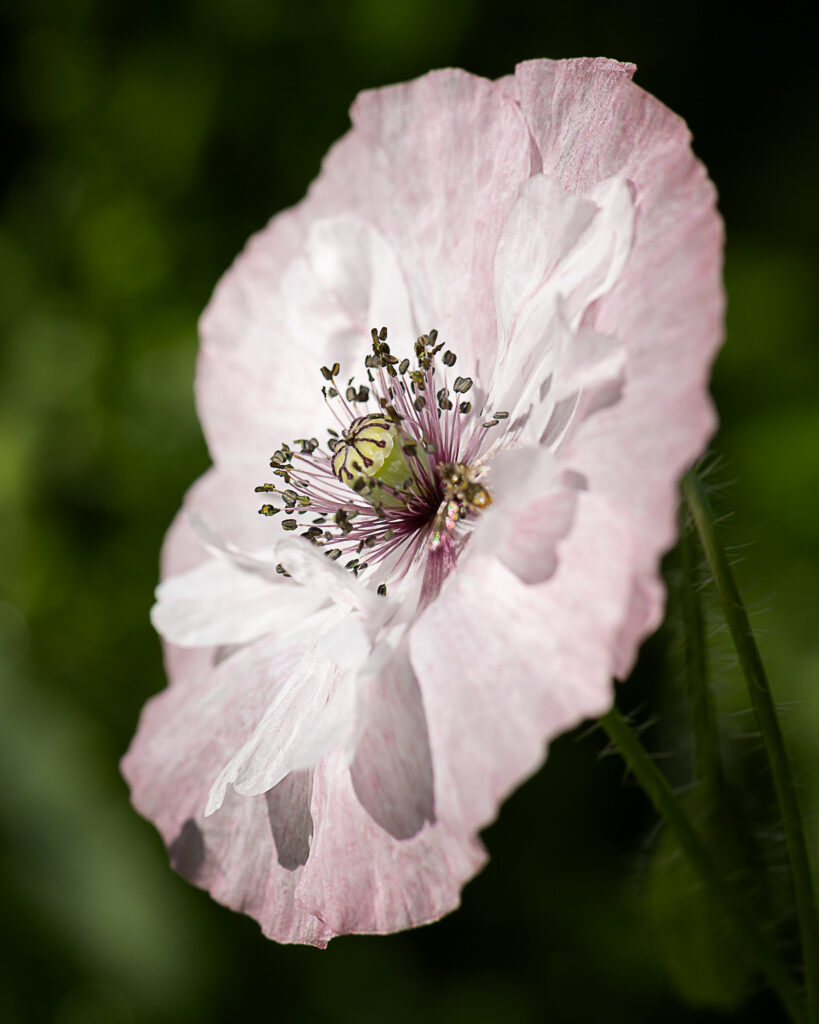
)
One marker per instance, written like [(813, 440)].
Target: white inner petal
[(311, 713), (220, 603), (346, 281), (558, 253)]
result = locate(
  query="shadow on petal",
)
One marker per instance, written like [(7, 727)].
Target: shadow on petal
[(392, 769), (288, 808), (187, 851)]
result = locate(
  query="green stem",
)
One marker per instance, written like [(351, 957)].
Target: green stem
[(658, 790), (706, 739), (763, 705)]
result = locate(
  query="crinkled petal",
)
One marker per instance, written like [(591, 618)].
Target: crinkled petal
[(184, 733), (435, 164), (359, 879), (532, 661), (559, 252), (591, 123)]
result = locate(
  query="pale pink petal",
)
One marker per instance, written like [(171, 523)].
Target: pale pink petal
[(249, 878), (489, 718), (358, 878), (591, 123), (531, 661), (556, 230), (435, 164), (184, 733)]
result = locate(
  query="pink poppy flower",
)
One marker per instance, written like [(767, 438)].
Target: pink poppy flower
[(338, 729)]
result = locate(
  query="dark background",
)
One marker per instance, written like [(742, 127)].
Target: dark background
[(142, 143)]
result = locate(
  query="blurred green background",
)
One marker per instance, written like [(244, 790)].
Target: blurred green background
[(142, 144)]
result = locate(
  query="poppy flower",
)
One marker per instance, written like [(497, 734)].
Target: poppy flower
[(460, 382)]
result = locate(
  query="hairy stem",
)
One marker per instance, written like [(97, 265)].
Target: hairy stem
[(707, 761), (763, 705), (658, 790)]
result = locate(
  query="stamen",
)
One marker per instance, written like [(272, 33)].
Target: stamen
[(397, 478)]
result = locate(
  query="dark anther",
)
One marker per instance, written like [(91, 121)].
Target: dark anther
[(382, 590), (268, 510), (465, 407), (462, 385), (289, 524), (448, 358), (501, 415)]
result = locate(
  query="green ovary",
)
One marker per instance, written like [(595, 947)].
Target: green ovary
[(370, 453)]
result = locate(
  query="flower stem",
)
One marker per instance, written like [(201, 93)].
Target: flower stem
[(659, 791), (763, 705), (706, 740)]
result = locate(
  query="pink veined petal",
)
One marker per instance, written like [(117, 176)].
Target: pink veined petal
[(359, 879), (590, 123), (183, 734), (241, 869), (441, 196), (533, 661), (435, 164)]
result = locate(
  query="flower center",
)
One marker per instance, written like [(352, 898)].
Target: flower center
[(401, 473)]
